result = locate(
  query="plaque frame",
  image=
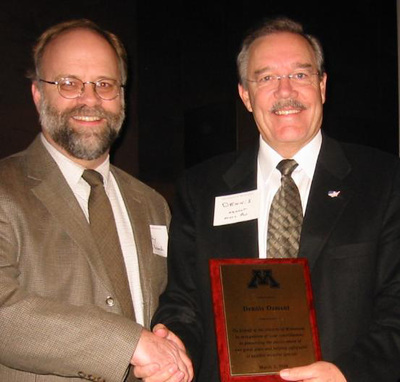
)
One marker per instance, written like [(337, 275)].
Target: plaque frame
[(215, 266)]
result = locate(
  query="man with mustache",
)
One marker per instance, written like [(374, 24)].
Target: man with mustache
[(73, 304), (348, 225)]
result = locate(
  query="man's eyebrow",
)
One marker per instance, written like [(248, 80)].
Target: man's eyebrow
[(295, 65), (302, 65), (263, 70)]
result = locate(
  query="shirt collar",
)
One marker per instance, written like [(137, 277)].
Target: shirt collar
[(307, 157), (71, 170)]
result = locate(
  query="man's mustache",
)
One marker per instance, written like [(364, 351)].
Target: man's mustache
[(283, 104), (95, 111)]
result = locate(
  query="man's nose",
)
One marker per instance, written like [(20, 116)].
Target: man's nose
[(89, 96), (285, 88)]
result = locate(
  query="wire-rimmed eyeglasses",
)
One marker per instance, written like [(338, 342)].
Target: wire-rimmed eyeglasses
[(302, 78), (70, 87)]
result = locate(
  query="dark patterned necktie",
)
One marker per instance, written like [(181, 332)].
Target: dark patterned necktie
[(285, 216), (103, 227)]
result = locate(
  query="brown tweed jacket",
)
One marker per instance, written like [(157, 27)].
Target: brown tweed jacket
[(55, 323)]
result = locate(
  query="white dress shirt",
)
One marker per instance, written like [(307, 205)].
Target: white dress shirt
[(269, 180), (73, 175)]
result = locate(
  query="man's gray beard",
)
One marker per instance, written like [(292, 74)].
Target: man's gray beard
[(82, 143)]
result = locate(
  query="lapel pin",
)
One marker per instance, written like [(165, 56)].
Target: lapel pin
[(333, 194)]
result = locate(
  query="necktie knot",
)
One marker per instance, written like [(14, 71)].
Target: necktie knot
[(287, 166), (94, 178)]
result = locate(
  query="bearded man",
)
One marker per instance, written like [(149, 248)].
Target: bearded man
[(78, 287)]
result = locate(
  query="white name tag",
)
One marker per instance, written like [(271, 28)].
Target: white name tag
[(159, 239), (236, 208)]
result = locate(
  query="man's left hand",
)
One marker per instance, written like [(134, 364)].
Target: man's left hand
[(316, 372)]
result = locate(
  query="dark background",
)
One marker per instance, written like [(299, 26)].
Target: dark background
[(182, 97)]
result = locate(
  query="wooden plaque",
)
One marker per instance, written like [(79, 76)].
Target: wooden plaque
[(264, 317)]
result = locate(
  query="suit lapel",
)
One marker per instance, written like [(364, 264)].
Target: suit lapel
[(242, 238), (324, 205), (51, 188)]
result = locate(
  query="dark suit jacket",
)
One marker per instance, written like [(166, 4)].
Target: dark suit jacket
[(56, 322), (352, 243)]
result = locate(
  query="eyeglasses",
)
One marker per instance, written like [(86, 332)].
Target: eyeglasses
[(70, 87), (296, 79)]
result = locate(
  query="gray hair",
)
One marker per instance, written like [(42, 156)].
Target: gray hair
[(270, 26)]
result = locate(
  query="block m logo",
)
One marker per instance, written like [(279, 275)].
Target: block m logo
[(262, 277)]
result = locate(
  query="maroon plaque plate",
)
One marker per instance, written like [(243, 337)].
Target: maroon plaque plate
[(264, 317)]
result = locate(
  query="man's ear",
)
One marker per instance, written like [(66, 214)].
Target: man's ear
[(244, 95), (36, 94), (322, 86)]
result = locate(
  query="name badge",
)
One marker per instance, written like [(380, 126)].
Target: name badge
[(159, 239), (236, 208)]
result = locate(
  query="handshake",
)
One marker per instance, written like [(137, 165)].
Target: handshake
[(161, 356)]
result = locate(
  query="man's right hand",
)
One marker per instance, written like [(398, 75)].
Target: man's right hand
[(153, 373), (161, 357)]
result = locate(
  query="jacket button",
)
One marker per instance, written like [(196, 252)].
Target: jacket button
[(110, 301)]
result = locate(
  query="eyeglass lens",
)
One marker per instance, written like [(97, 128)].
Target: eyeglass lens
[(72, 88)]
